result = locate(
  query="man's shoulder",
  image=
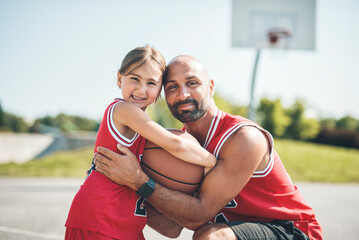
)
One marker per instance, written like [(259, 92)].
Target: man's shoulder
[(247, 134)]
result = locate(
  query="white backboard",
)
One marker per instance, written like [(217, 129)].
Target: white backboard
[(253, 19)]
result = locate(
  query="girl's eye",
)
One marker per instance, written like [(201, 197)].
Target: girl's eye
[(135, 79), (152, 83)]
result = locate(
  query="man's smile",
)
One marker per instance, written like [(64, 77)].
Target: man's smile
[(185, 106)]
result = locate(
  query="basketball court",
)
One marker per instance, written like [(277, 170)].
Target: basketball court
[(36, 208)]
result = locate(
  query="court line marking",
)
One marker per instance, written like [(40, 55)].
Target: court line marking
[(30, 233)]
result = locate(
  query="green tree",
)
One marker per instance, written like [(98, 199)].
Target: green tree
[(311, 128), (228, 106), (2, 117), (67, 123), (301, 128), (328, 123), (348, 123), (223, 103), (14, 123), (85, 124), (272, 116)]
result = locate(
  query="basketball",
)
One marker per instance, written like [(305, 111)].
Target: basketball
[(169, 170)]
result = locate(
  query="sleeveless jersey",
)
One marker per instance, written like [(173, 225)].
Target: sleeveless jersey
[(103, 206), (270, 194)]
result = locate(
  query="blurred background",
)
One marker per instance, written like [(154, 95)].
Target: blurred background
[(59, 59)]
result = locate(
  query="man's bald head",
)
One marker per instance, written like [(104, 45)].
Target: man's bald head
[(191, 64)]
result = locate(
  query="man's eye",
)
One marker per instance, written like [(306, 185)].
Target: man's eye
[(152, 83), (193, 83), (171, 87)]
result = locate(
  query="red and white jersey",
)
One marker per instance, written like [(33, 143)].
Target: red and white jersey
[(270, 194), (103, 206)]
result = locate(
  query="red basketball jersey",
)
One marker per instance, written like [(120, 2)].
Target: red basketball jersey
[(103, 206), (270, 194)]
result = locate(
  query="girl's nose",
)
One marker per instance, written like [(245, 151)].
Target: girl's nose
[(141, 88)]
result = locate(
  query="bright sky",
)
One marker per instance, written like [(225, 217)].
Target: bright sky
[(62, 55)]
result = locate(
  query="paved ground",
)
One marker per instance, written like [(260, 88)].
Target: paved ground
[(37, 208)]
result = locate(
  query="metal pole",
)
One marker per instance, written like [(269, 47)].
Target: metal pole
[(251, 105)]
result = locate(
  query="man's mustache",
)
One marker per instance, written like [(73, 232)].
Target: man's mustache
[(190, 100)]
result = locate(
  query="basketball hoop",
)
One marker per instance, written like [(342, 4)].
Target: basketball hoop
[(274, 36)]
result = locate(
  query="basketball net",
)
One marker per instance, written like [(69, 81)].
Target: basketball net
[(279, 40)]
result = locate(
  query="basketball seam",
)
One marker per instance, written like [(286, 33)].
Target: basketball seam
[(168, 177), (152, 148)]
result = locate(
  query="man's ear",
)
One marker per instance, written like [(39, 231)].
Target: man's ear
[(119, 78), (211, 86)]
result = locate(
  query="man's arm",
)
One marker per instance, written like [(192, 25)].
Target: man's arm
[(239, 158), (161, 223)]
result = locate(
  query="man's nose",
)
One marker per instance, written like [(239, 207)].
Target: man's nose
[(183, 93)]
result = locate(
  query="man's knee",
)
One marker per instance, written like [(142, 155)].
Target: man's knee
[(214, 232)]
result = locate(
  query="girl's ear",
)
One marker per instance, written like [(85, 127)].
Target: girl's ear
[(119, 78)]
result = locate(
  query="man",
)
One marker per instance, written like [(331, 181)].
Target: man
[(247, 195)]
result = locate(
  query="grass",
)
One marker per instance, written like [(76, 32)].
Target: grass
[(73, 163), (304, 162), (319, 163)]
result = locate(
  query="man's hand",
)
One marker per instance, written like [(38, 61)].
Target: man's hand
[(121, 168)]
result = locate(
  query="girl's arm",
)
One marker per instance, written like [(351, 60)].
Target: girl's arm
[(127, 114)]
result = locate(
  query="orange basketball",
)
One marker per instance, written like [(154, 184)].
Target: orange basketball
[(170, 171)]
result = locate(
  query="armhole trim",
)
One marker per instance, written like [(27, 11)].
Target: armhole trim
[(115, 133)]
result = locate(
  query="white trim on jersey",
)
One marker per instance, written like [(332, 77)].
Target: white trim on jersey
[(114, 131), (233, 129), (212, 128), (225, 136), (270, 165)]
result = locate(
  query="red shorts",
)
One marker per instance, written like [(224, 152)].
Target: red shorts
[(79, 234)]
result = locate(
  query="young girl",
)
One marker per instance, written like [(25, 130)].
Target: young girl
[(101, 208)]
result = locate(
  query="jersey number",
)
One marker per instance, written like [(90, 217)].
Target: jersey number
[(221, 218), (140, 208)]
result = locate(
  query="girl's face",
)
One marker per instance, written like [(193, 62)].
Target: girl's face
[(142, 85)]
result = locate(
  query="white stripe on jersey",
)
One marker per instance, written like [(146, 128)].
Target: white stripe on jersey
[(212, 128), (233, 129), (270, 165), (114, 131)]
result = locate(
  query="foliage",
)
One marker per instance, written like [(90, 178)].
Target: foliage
[(300, 128), (338, 137), (2, 117), (67, 123), (289, 123), (272, 116), (228, 106), (13, 123), (348, 123), (327, 123), (303, 161)]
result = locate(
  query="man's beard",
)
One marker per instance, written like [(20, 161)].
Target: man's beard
[(186, 116)]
